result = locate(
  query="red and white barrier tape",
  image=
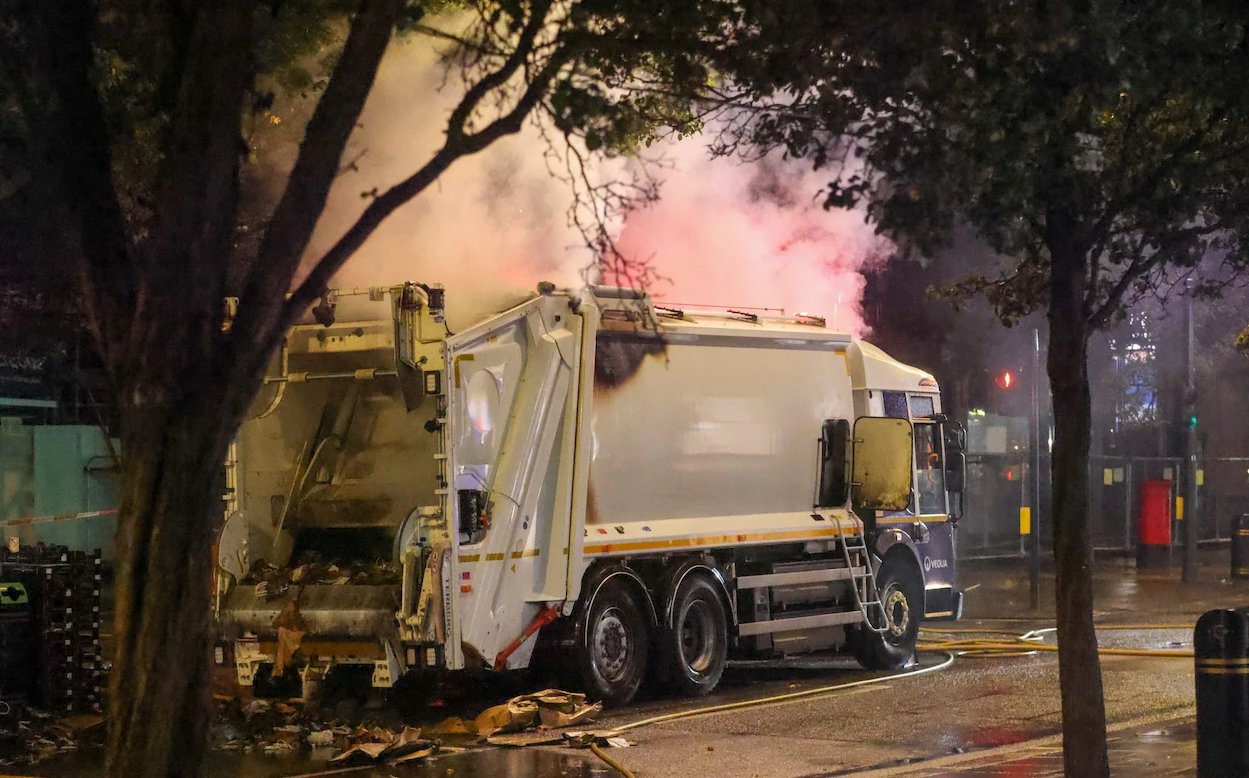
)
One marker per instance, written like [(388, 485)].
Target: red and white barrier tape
[(59, 517)]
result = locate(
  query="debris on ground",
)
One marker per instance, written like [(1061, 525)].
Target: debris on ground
[(29, 736), (262, 726), (547, 709)]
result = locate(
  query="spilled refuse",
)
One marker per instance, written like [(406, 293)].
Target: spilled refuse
[(30, 737), (275, 727)]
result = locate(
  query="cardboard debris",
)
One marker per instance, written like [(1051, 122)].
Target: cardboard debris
[(361, 753), (549, 708), (374, 735), (516, 714), (553, 718), (407, 746), (406, 742), (530, 737), (291, 627), (414, 756)]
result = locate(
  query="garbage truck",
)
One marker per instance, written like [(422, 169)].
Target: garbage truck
[(590, 480)]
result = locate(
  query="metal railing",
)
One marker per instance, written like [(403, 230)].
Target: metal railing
[(996, 490)]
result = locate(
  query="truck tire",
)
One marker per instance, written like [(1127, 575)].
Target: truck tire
[(611, 657), (901, 593), (693, 650)]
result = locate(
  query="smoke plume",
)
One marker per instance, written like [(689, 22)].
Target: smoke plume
[(723, 233)]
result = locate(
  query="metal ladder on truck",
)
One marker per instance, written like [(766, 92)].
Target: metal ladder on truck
[(863, 582)]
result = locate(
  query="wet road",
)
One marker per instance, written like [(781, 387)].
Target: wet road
[(935, 724)]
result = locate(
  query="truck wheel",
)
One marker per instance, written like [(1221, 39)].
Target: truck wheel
[(614, 645), (902, 596), (693, 650)]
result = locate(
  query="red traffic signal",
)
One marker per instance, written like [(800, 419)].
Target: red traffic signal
[(1005, 380)]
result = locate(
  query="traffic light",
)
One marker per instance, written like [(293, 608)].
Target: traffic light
[(1192, 421), (1005, 380)]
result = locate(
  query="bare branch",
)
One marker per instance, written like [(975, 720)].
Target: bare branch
[(1104, 314), (320, 153), (457, 123)]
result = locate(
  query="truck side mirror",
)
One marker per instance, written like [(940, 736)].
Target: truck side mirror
[(955, 438), (882, 478), (955, 472), (834, 440)]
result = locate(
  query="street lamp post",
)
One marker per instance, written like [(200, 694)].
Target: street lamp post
[(1034, 578), (1190, 449)]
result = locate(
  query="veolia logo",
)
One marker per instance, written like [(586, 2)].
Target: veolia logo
[(929, 564)]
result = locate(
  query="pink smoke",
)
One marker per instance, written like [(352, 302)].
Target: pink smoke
[(753, 235)]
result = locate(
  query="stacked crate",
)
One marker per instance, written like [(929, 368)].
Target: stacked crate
[(18, 643), (64, 588)]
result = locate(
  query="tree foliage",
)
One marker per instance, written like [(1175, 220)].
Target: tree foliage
[(1100, 147), (995, 114)]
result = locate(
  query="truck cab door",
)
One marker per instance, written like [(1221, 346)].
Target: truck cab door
[(882, 477)]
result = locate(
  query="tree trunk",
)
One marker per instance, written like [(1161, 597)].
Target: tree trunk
[(1080, 678), (159, 709)]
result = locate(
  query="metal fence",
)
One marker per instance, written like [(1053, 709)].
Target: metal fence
[(998, 485)]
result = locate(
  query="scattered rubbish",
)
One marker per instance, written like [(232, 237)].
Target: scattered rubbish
[(272, 582), (29, 736), (551, 708), (275, 727), (359, 753), (291, 629), (321, 738)]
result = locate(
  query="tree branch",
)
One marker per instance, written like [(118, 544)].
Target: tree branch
[(491, 81), (1103, 314), (320, 153)]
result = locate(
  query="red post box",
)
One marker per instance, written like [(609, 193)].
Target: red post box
[(1153, 525)]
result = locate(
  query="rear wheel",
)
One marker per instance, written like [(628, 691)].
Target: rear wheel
[(613, 646), (693, 650), (901, 594)]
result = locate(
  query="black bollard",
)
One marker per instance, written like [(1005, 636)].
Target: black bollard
[(1240, 546), (1221, 648)]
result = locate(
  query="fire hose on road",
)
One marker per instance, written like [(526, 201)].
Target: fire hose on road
[(998, 643)]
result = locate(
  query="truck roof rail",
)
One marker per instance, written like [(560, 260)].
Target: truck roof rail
[(617, 293)]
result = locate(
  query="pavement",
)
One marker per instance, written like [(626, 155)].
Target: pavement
[(976, 717)]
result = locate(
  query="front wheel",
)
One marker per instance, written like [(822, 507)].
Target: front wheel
[(693, 651), (901, 594), (613, 645)]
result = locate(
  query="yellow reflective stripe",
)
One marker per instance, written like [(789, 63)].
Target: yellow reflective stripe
[(715, 540), (934, 519), (499, 556)]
